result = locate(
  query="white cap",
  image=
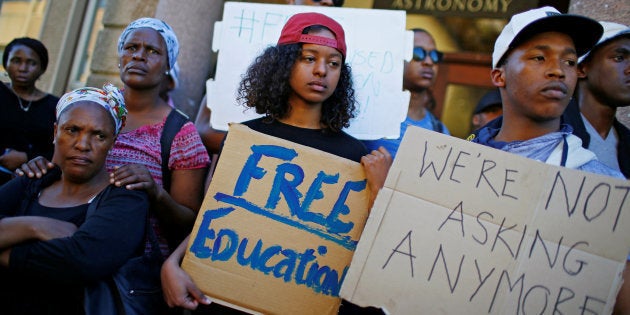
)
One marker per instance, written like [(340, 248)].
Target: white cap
[(611, 31), (584, 31)]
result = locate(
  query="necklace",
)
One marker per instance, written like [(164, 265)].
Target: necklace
[(28, 106)]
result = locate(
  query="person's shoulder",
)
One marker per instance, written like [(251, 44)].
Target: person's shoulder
[(186, 129), (21, 183), (490, 129), (51, 98), (273, 127), (571, 114), (4, 87), (443, 128), (349, 147), (122, 192), (573, 118), (187, 149), (621, 128), (351, 140), (49, 102), (5, 92), (121, 203), (597, 167), (256, 123), (187, 133), (32, 186)]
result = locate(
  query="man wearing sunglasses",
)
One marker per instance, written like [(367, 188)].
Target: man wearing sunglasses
[(418, 78)]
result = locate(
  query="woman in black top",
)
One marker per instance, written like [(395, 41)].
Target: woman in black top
[(28, 113), (50, 248), (304, 88)]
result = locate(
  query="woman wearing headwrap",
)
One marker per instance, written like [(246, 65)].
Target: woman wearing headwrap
[(147, 51), (27, 113), (49, 249)]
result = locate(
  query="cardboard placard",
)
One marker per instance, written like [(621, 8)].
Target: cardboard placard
[(278, 227), (461, 228), (377, 45)]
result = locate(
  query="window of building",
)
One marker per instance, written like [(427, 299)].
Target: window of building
[(92, 24)]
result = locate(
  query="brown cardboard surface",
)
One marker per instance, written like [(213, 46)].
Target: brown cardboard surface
[(463, 228), (301, 239)]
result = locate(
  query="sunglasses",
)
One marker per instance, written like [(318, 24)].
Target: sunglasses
[(336, 3), (419, 54)]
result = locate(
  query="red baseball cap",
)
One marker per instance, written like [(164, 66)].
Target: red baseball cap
[(292, 31)]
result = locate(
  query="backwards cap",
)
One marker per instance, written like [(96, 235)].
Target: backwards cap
[(611, 31), (292, 31), (583, 31)]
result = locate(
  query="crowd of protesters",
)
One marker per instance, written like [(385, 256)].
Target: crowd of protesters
[(559, 80)]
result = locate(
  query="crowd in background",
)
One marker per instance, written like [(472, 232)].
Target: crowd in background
[(559, 80)]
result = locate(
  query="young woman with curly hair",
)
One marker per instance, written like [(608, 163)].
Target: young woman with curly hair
[(266, 86), (306, 96), (303, 88)]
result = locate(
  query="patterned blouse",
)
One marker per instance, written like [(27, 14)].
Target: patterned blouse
[(142, 146)]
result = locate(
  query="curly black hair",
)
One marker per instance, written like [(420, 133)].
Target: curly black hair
[(265, 87)]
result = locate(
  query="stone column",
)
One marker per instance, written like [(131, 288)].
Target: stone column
[(193, 22), (118, 14), (606, 10), (60, 32)]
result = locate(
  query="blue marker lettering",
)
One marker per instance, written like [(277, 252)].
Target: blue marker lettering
[(251, 170), (231, 242), (288, 188), (264, 258), (320, 279), (315, 193), (306, 258), (198, 246), (240, 257), (284, 269), (332, 221)]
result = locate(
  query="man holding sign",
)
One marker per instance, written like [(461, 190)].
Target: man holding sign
[(545, 43), (535, 68), (461, 228)]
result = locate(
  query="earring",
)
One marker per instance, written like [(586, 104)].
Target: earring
[(118, 66), (167, 73)]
